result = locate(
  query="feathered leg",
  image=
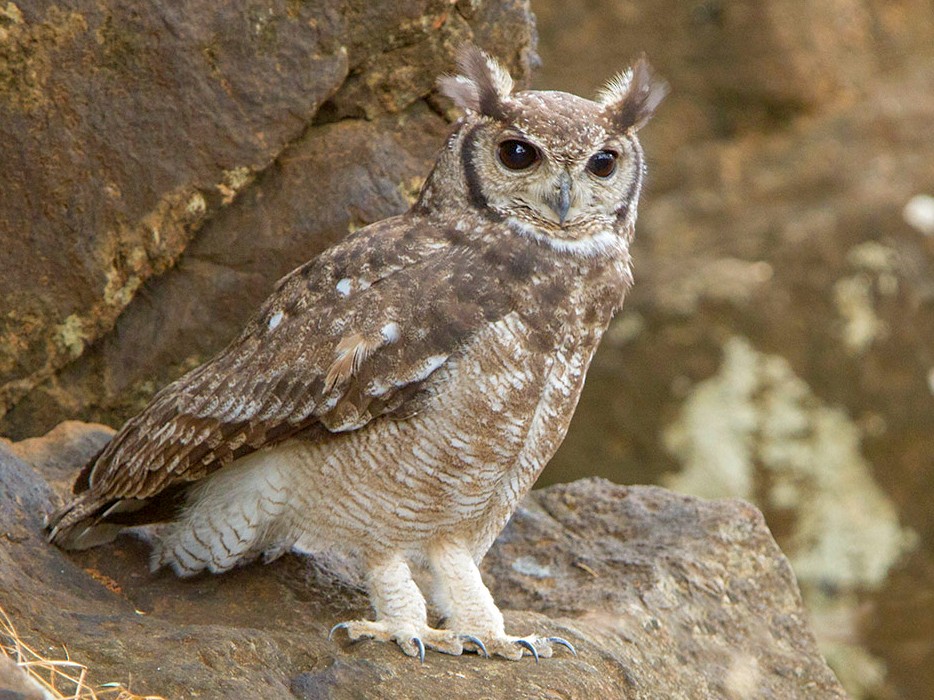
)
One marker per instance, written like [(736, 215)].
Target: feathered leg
[(401, 614), (469, 610)]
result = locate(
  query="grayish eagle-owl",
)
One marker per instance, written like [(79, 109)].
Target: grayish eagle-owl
[(396, 397)]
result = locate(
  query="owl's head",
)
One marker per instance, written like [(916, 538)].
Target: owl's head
[(555, 166)]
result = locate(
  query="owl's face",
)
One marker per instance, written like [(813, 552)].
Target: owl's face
[(554, 165), (551, 163)]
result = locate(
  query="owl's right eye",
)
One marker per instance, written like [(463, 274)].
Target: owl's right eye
[(518, 155)]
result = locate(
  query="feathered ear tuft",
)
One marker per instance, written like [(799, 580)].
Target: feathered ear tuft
[(631, 98), (482, 85)]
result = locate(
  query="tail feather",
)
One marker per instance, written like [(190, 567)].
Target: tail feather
[(87, 521)]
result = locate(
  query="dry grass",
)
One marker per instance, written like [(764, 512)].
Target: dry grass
[(63, 679)]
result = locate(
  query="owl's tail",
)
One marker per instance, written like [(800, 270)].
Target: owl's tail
[(87, 522)]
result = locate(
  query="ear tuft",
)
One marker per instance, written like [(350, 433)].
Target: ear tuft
[(482, 85), (631, 98)]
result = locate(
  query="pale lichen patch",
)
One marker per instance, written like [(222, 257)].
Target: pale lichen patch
[(529, 566), (234, 181), (756, 414), (755, 430), (877, 274), (626, 328), (72, 335), (919, 213), (873, 256), (119, 290), (410, 189), (196, 206), (726, 279), (853, 297), (11, 13)]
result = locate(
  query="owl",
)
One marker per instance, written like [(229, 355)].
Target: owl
[(396, 396)]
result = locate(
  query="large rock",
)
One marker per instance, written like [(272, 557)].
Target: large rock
[(776, 347), (663, 595), (164, 164)]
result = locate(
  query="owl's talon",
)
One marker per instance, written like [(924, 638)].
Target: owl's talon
[(416, 639), (563, 642), (421, 648), (528, 645), (481, 647)]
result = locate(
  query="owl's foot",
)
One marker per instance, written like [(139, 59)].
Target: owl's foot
[(514, 648), (413, 640)]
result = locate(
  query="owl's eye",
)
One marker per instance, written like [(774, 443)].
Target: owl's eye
[(603, 163), (518, 155)]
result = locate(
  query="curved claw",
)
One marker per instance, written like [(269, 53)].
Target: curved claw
[(473, 640), (563, 642), (528, 645), (421, 648), (338, 626)]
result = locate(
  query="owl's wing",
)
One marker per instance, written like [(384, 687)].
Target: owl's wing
[(355, 334)]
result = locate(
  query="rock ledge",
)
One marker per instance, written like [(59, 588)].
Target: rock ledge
[(664, 596)]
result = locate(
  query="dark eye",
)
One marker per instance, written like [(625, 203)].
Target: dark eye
[(602, 164), (517, 155)]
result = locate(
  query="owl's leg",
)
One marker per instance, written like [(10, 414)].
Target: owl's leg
[(401, 614), (468, 607)]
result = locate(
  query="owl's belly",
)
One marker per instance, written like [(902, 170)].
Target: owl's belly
[(495, 416)]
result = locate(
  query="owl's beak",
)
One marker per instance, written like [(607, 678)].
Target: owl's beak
[(560, 201)]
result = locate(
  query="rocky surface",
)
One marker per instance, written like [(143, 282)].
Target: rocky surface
[(164, 165), (663, 595), (778, 344)]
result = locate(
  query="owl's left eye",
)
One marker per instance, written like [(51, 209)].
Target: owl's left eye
[(603, 163), (517, 155)]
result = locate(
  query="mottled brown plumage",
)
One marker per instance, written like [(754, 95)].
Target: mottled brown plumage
[(394, 398)]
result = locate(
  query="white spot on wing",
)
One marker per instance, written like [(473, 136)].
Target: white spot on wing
[(377, 388), (422, 371), (390, 332), (430, 365), (343, 287), (276, 320)]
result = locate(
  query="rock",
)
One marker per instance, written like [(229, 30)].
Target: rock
[(777, 347), (777, 343), (663, 595), (734, 66), (783, 301), (123, 129), (195, 308), (165, 165)]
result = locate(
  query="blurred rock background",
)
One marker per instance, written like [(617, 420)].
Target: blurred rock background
[(779, 342), (161, 167)]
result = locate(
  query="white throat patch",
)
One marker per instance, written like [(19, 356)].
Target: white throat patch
[(604, 242)]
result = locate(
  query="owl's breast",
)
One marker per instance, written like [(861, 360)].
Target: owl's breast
[(486, 423), (497, 414)]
